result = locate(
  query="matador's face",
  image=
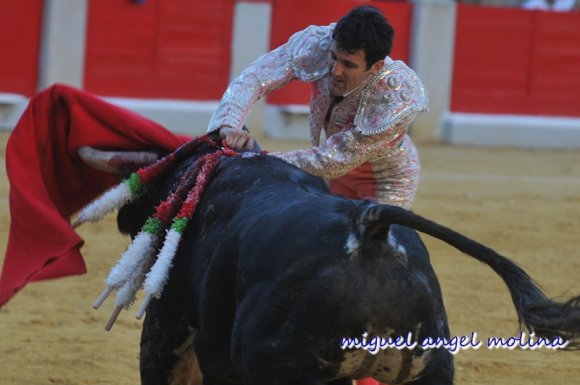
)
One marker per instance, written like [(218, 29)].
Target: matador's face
[(348, 70)]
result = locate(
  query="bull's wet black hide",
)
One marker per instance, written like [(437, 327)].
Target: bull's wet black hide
[(273, 271)]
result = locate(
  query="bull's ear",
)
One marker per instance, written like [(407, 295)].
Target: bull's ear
[(371, 226)]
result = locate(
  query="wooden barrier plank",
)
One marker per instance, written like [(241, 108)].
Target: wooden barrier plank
[(175, 49), (513, 61), (20, 28)]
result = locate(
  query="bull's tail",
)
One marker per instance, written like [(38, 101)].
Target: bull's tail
[(540, 314)]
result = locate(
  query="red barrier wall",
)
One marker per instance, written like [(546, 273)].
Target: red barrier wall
[(289, 17), (20, 28), (176, 49), (512, 61)]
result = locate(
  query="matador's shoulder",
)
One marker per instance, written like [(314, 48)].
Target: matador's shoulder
[(308, 51), (389, 98)]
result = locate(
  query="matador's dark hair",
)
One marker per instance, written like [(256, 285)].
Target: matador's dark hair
[(365, 27)]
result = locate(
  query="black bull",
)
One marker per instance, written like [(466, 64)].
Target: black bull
[(273, 271)]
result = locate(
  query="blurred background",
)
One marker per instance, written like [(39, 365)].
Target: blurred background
[(499, 72)]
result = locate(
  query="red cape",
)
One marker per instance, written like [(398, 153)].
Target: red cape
[(48, 181)]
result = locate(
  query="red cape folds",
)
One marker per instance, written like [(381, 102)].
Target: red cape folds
[(49, 183)]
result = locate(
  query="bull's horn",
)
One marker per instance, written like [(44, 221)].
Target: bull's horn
[(117, 162)]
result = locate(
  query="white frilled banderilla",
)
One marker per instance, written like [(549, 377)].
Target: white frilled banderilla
[(148, 259)]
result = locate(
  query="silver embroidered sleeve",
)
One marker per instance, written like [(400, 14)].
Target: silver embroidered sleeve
[(270, 71), (343, 152)]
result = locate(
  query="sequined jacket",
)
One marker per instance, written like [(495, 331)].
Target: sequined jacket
[(366, 152)]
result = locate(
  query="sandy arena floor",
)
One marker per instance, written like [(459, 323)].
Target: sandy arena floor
[(525, 204)]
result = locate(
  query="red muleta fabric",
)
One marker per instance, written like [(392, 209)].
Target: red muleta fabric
[(49, 182)]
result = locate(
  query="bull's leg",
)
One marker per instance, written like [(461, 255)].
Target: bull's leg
[(167, 355), (187, 371), (439, 371)]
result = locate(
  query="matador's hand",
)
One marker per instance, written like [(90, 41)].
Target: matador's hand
[(237, 139)]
